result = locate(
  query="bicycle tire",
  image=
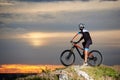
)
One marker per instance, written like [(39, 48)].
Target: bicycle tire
[(97, 58), (64, 55)]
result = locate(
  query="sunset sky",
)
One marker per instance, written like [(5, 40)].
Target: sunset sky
[(37, 31)]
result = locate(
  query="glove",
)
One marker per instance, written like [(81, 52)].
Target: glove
[(71, 41)]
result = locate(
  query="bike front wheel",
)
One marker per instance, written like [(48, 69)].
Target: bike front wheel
[(67, 57), (95, 58)]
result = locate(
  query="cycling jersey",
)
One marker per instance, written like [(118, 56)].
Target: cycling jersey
[(87, 39)]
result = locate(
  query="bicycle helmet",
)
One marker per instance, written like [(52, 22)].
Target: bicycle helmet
[(81, 26)]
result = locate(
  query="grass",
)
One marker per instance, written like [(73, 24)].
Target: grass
[(103, 72)]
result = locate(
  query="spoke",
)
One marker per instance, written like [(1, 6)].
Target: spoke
[(67, 58)]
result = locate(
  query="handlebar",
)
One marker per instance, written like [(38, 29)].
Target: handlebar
[(74, 42)]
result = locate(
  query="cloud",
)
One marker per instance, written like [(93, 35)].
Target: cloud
[(15, 33), (32, 12), (56, 0), (106, 38), (5, 3), (61, 15), (53, 7), (11, 32)]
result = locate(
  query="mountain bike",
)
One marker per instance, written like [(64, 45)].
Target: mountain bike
[(67, 57)]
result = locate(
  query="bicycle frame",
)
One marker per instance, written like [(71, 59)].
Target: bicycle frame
[(77, 47)]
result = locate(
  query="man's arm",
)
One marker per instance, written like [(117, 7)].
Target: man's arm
[(74, 37), (80, 38)]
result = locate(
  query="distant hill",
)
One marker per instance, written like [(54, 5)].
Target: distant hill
[(78, 73)]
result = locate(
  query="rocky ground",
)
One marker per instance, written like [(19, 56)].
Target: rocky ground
[(77, 72)]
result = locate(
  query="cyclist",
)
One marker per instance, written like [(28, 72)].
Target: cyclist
[(87, 41)]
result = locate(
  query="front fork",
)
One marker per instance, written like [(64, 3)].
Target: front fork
[(71, 52), (72, 49)]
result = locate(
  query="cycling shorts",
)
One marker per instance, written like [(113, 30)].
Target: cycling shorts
[(86, 45)]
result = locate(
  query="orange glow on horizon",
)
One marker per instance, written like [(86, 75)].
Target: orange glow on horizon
[(24, 68)]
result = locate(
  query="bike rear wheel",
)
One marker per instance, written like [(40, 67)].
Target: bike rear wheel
[(67, 57), (95, 58)]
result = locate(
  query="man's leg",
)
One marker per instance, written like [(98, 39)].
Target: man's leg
[(88, 43), (86, 55), (86, 48)]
